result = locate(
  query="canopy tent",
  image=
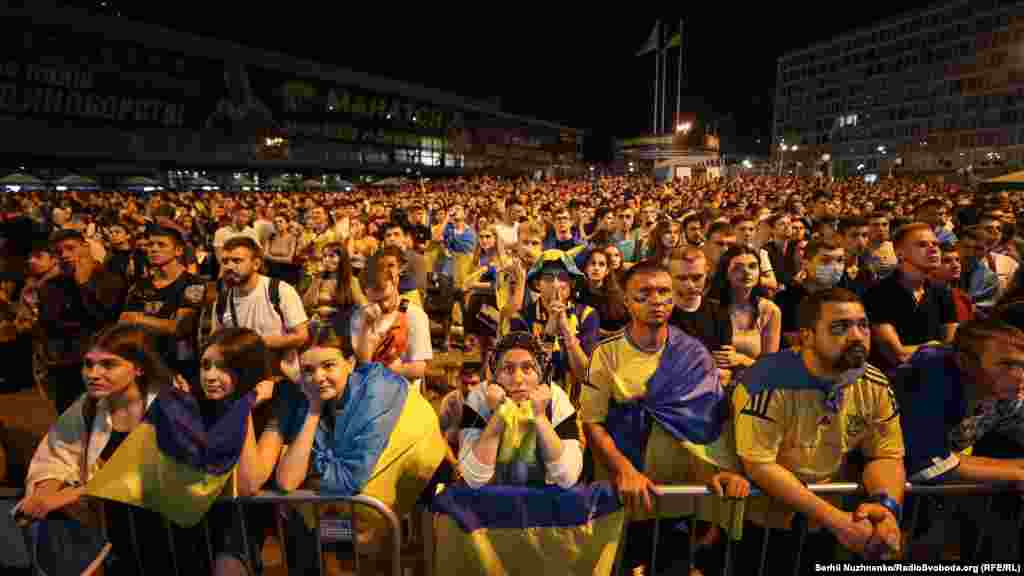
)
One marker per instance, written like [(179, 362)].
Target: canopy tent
[(76, 182), (141, 183), (337, 183), (281, 182), (312, 183), (1012, 181), (21, 181), (200, 182), (244, 183), (392, 181)]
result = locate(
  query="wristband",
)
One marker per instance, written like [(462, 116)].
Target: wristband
[(888, 503)]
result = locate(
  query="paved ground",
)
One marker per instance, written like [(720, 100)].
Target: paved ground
[(24, 419)]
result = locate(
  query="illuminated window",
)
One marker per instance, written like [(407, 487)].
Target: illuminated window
[(430, 158)]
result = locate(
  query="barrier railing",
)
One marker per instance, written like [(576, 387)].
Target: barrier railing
[(663, 501), (298, 497), (909, 528), (309, 497)]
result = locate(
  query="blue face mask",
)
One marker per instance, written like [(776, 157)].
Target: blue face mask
[(828, 275)]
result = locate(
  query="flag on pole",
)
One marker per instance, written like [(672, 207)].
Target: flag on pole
[(652, 41)]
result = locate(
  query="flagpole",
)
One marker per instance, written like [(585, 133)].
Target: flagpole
[(663, 53), (679, 80), (657, 77)]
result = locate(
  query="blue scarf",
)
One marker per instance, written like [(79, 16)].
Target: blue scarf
[(787, 368), (182, 435), (345, 455)]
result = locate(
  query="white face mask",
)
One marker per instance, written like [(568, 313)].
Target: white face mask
[(829, 274)]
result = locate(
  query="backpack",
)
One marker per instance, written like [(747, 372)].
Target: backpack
[(274, 292), (439, 296)]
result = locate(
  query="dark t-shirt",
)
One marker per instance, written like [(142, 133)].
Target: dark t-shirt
[(710, 324), (865, 281), (915, 323), (70, 314), (129, 264), (184, 293), (789, 302)]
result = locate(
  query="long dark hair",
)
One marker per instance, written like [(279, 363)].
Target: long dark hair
[(661, 253), (246, 357), (613, 304), (343, 295), (134, 344), (720, 288)]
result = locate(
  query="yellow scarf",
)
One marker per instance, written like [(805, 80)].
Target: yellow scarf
[(519, 439)]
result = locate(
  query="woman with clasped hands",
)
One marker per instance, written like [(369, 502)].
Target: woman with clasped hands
[(520, 429)]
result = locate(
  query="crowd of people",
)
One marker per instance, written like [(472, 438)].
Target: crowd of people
[(804, 330)]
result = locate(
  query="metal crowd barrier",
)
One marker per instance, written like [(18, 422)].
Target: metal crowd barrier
[(908, 527), (309, 497), (667, 493), (297, 497)]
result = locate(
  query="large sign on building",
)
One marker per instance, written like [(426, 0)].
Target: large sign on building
[(85, 84)]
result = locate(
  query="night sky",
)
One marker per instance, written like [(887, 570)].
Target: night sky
[(577, 69)]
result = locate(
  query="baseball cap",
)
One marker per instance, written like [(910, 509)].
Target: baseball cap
[(553, 262)]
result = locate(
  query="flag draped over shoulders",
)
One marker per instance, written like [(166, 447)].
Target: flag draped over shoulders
[(684, 396), (172, 463), (385, 442), (686, 400), (498, 530)]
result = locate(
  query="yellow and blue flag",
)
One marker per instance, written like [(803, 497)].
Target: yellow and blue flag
[(498, 530), (171, 463), (676, 433), (385, 442)]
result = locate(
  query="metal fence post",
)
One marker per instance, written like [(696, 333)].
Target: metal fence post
[(244, 529), (801, 540), (764, 550), (170, 544), (135, 540)]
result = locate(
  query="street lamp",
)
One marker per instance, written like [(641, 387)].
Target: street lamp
[(683, 127), (782, 149)]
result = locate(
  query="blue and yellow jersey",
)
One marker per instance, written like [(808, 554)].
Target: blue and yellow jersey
[(620, 373), (788, 421)]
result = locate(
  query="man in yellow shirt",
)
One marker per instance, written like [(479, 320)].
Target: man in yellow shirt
[(652, 400), (800, 414)]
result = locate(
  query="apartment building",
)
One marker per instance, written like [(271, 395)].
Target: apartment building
[(939, 90)]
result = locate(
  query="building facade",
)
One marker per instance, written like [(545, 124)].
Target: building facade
[(693, 151), (937, 91), (102, 95)]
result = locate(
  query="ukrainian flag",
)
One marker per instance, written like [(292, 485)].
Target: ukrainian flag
[(386, 443), (498, 530), (171, 464)]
